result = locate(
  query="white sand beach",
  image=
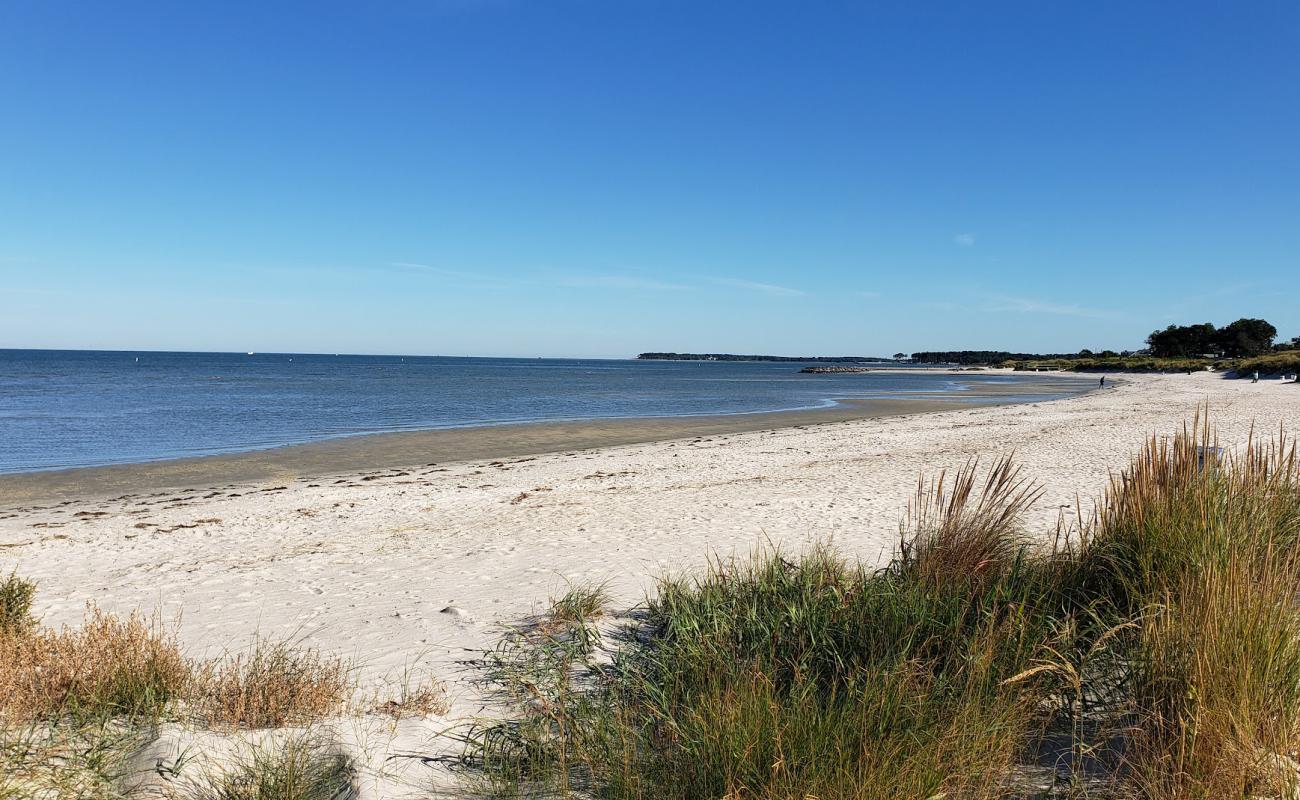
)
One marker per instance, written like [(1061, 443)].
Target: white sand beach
[(365, 564)]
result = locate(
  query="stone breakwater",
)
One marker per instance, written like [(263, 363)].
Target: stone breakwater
[(823, 370)]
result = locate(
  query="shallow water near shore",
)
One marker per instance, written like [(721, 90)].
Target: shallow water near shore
[(65, 409)]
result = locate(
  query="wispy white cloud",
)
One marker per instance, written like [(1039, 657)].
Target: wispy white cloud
[(765, 288), (621, 282), (965, 239), (411, 266), (461, 278), (1028, 305), (26, 290), (591, 281)]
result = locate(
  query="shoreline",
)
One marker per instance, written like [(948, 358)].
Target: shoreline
[(407, 449), (415, 571)]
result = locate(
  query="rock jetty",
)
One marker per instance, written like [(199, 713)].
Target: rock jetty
[(822, 370)]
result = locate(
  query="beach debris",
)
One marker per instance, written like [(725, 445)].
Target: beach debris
[(457, 613)]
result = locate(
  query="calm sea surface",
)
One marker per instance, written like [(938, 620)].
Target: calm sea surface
[(82, 408)]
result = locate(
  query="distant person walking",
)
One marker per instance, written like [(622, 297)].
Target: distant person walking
[(1101, 384)]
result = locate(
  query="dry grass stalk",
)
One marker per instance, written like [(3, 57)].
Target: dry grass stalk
[(1207, 544), (426, 697), (274, 683), (108, 666), (952, 535)]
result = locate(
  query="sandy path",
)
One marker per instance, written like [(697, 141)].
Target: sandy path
[(362, 564)]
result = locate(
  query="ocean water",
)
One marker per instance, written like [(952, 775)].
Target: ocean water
[(63, 409)]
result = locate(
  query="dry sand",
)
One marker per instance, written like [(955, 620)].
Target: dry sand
[(364, 563)]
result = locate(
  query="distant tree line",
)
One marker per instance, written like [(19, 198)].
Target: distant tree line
[(734, 357), (1240, 339), (983, 357), (1244, 338)]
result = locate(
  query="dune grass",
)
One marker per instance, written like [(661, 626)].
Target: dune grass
[(416, 693), (1125, 364), (299, 767), (1284, 363), (16, 596), (68, 761), (132, 667), (76, 702), (1155, 654), (108, 667), (274, 683), (582, 602)]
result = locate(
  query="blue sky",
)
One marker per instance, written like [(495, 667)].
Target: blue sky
[(520, 177)]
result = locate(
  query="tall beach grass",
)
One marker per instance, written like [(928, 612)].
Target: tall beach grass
[(1154, 654)]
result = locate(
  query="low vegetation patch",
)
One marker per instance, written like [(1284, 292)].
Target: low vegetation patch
[(77, 702), (1155, 653), (302, 767), (1284, 363), (110, 666), (417, 693), (582, 602), (1124, 364), (274, 683), (67, 761), (16, 595)]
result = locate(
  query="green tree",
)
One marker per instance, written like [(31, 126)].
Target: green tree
[(1180, 341), (1246, 337)]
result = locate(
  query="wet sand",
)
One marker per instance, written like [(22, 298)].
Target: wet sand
[(425, 448)]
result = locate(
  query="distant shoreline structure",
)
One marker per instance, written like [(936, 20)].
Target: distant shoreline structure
[(735, 357), (834, 370)]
